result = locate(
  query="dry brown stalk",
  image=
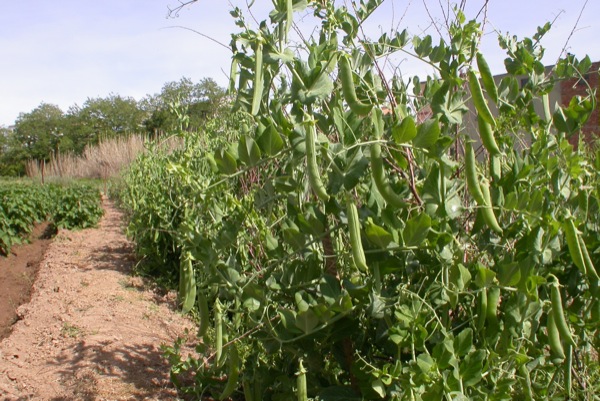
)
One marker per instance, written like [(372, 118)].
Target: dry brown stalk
[(104, 160)]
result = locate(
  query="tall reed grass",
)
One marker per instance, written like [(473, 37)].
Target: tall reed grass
[(104, 160)]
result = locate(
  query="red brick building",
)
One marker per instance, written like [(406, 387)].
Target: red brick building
[(562, 93), (573, 87)]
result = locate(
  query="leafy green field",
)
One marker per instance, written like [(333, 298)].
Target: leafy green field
[(23, 204), (334, 251)]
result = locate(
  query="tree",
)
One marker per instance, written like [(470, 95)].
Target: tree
[(105, 117), (4, 132), (39, 132), (183, 102), (10, 151)]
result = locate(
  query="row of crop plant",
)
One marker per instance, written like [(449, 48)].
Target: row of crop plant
[(22, 205), (332, 251)]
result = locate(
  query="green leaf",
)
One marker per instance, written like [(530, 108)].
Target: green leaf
[(460, 276), (438, 53), (226, 161), (406, 131), (248, 151), (376, 307), (511, 201), (270, 141), (416, 230), (356, 169), (344, 304), (400, 40), (509, 274), (463, 342), (427, 134), (454, 207), (292, 235), (471, 368), (444, 354), (571, 118), (449, 105), (425, 363), (271, 242), (378, 386), (422, 46), (287, 317), (286, 57), (301, 304), (377, 235), (584, 65), (484, 277), (320, 89), (330, 289), (307, 321), (252, 304)]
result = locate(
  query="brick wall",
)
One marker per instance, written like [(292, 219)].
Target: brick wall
[(570, 88)]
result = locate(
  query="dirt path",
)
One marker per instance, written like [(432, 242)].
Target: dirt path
[(91, 331)]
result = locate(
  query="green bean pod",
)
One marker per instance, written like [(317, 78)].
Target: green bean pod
[(587, 261), (479, 100), (258, 77), (487, 212), (232, 373), (187, 282), (568, 369), (493, 299), (479, 191), (348, 91), (248, 390), (583, 205), (486, 77), (381, 180), (482, 309), (232, 74), (312, 168), (377, 169), (358, 254), (546, 104), (554, 339), (289, 17), (471, 173), (218, 332), (301, 385), (203, 313), (558, 314), (573, 244), (486, 133), (496, 168), (528, 389)]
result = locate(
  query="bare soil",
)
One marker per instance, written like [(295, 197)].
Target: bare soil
[(92, 330), (18, 272)]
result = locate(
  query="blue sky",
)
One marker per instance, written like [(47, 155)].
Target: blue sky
[(66, 51)]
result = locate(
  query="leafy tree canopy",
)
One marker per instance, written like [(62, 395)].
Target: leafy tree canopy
[(46, 130)]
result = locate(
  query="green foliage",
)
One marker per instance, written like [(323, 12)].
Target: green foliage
[(77, 207), (47, 131), (24, 204), (197, 101), (38, 133), (444, 302), (160, 195), (102, 118)]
